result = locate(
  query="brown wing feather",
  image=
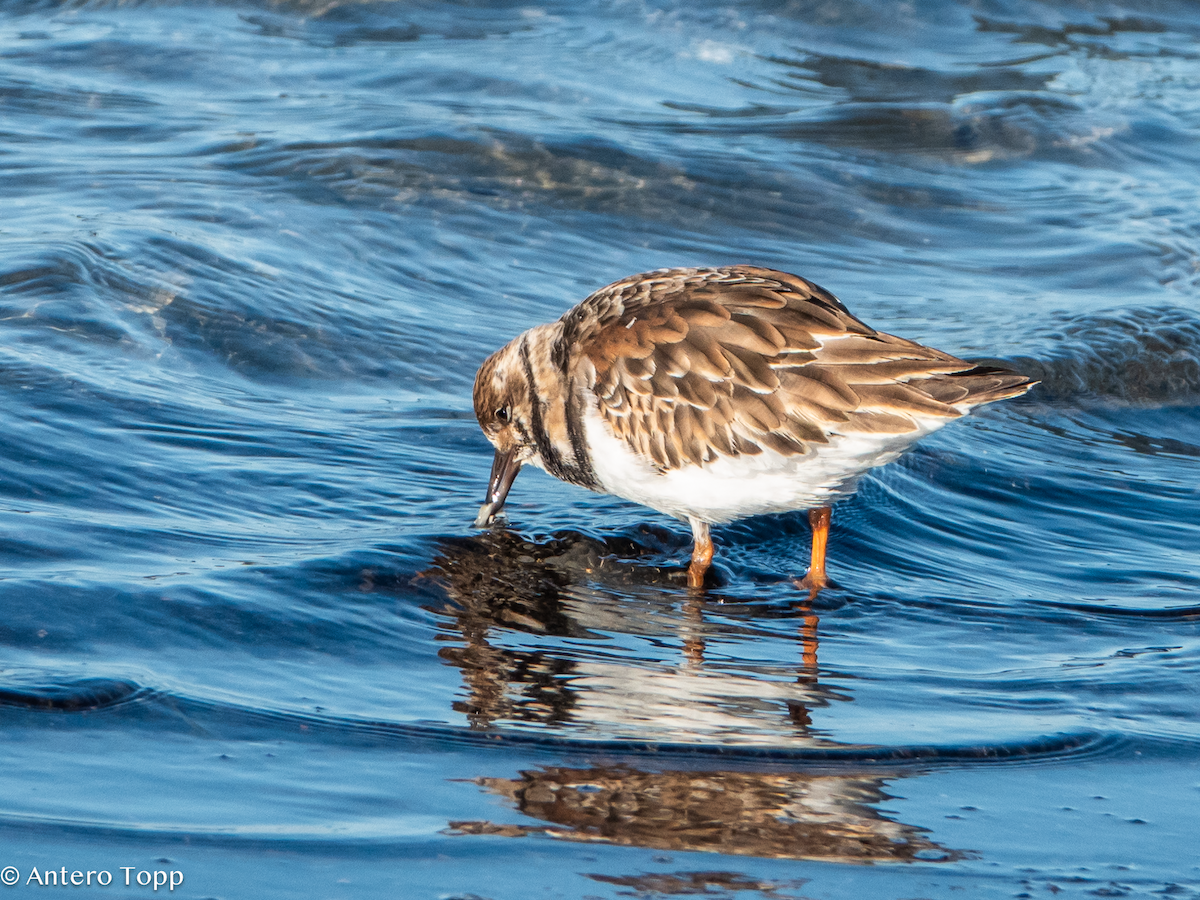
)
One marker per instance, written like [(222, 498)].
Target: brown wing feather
[(691, 364)]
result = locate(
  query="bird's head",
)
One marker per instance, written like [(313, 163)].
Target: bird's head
[(504, 407)]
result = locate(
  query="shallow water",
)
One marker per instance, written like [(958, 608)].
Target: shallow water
[(251, 255)]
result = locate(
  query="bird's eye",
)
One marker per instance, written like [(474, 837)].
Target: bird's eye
[(503, 414)]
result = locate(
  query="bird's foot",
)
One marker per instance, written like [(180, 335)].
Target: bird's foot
[(813, 582)]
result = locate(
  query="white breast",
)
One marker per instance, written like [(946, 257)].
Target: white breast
[(735, 487)]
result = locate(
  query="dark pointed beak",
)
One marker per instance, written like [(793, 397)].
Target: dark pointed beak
[(504, 471)]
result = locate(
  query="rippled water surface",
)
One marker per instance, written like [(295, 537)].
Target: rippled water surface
[(251, 255)]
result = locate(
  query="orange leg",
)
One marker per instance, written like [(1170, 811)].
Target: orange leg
[(702, 553), (816, 578)]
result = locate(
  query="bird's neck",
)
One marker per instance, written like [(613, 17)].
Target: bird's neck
[(559, 403)]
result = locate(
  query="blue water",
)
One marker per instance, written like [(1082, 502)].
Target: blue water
[(251, 255)]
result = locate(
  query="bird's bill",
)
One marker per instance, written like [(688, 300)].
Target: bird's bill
[(505, 467)]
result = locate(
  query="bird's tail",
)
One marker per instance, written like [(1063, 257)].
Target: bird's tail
[(977, 385)]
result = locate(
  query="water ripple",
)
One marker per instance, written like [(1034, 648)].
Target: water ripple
[(253, 253)]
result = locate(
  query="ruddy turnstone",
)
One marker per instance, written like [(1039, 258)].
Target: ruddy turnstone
[(715, 394)]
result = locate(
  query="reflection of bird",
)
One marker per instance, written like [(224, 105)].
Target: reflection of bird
[(498, 585), (713, 394), (782, 815)]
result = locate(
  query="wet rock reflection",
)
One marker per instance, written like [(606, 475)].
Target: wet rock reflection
[(778, 815)]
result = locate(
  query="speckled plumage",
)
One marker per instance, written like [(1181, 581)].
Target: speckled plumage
[(712, 394)]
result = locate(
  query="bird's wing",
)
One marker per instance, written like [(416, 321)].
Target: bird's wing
[(688, 365)]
